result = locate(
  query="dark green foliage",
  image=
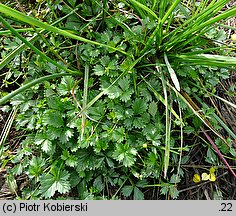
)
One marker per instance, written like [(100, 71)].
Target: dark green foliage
[(111, 142)]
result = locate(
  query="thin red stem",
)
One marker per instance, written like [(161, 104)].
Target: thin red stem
[(218, 152)]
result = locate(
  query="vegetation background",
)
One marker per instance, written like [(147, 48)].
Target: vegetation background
[(129, 99)]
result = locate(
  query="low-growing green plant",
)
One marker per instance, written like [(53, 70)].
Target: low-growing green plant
[(109, 93)]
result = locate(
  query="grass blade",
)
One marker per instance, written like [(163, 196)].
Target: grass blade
[(169, 11), (85, 98), (160, 98), (7, 126), (20, 48), (172, 73), (37, 50), (30, 84), (32, 21), (137, 4), (168, 125), (207, 59)]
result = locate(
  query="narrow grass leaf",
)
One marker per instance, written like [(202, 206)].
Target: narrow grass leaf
[(207, 59), (169, 11), (7, 126), (85, 98), (30, 84), (144, 8), (23, 46), (44, 56), (32, 21), (160, 98), (172, 73), (167, 138)]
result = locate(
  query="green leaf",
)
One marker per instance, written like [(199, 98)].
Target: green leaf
[(189, 129), (98, 184), (72, 2), (53, 118), (57, 181), (127, 190), (114, 92), (55, 103), (138, 123), (126, 95), (53, 132), (152, 109), (138, 194), (124, 153), (74, 179), (124, 83), (174, 193), (18, 99), (65, 135), (99, 70), (142, 183), (11, 182), (118, 134), (71, 160), (87, 159), (126, 92), (36, 167), (175, 179), (211, 156), (66, 85), (47, 146), (172, 73), (39, 139), (139, 106), (17, 170)]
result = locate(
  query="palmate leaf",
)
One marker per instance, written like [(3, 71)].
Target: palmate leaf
[(138, 194), (99, 70), (114, 92), (53, 118), (57, 180), (152, 109), (70, 160), (99, 184), (67, 83), (65, 135), (52, 133), (88, 159), (119, 134), (36, 167), (126, 95), (47, 146), (55, 103), (139, 106), (127, 190), (124, 153), (124, 83), (126, 92), (140, 122)]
